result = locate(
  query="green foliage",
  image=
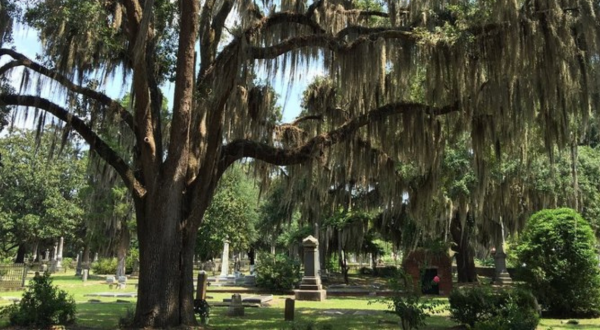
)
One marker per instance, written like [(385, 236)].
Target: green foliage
[(105, 266), (558, 249), (232, 215), (202, 308), (42, 305), (39, 190), (406, 302), (109, 265), (277, 273), (484, 308)]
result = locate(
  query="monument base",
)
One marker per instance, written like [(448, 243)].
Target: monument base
[(503, 279), (311, 295)]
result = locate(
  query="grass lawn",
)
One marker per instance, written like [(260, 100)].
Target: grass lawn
[(334, 313)]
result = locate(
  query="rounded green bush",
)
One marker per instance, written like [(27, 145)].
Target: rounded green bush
[(559, 263), (277, 273), (42, 305), (484, 308)]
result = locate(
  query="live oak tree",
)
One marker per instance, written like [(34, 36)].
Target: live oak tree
[(492, 68)]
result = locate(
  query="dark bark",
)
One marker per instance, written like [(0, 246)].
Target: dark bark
[(251, 255), (345, 268), (166, 239), (20, 258), (374, 257), (465, 255)]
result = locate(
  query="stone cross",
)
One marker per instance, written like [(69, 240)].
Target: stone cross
[(225, 259), (310, 287)]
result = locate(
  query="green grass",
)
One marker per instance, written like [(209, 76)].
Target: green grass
[(334, 313)]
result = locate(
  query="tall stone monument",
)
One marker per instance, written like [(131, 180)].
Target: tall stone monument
[(501, 276), (310, 287), (79, 264), (225, 260), (59, 257)]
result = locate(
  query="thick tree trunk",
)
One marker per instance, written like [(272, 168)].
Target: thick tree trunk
[(465, 256), (165, 291)]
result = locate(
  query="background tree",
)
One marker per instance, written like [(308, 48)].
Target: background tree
[(487, 67), (232, 215), (39, 193)]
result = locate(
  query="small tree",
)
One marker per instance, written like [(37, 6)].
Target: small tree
[(560, 263), (42, 305)]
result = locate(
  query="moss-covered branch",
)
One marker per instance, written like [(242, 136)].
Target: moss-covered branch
[(280, 156), (95, 142), (22, 60)]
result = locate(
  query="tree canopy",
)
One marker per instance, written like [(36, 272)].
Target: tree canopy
[(495, 69), (39, 192)]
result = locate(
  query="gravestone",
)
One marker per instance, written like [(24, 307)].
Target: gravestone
[(289, 309), (225, 260), (236, 308), (84, 275), (501, 276), (136, 267), (59, 257), (310, 287), (110, 280), (201, 285), (250, 280), (122, 281)]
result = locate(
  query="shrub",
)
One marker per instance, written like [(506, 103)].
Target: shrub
[(406, 302), (365, 271), (484, 308), (388, 271), (561, 265), (105, 266), (277, 273), (42, 305)]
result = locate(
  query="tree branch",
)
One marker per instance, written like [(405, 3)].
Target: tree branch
[(368, 31), (95, 142), (278, 156), (184, 88), (218, 22), (22, 60), (310, 117), (286, 17), (335, 44)]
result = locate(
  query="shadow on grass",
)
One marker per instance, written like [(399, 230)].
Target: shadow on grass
[(103, 315), (272, 318)]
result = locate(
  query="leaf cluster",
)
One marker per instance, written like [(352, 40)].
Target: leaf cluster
[(560, 263), (42, 305)]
